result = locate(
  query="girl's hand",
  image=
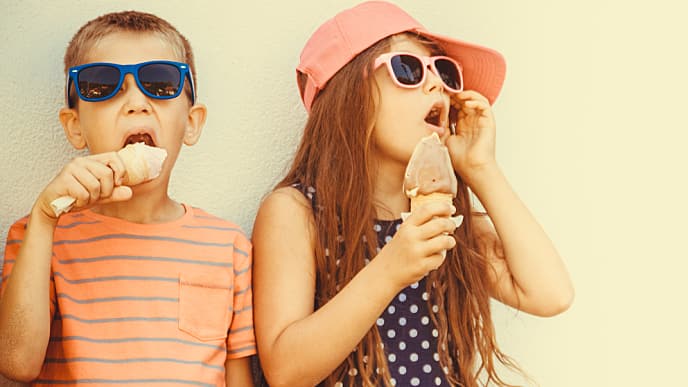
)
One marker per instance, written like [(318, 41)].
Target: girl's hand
[(417, 247), (472, 147), (90, 180)]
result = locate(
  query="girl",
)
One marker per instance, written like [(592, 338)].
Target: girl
[(347, 293)]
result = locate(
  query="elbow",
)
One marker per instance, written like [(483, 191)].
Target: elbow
[(557, 303), (20, 367), (285, 376)]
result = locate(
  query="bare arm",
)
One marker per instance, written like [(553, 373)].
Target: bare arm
[(238, 372), (299, 346), (25, 303), (533, 278)]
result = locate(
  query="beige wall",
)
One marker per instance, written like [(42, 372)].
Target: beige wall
[(591, 132)]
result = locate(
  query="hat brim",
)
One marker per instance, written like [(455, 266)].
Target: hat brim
[(483, 69)]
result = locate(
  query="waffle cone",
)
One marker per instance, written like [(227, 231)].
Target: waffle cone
[(421, 200)]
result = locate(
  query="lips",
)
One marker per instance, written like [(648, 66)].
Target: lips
[(437, 117), (139, 137)]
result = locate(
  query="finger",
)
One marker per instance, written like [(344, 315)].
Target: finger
[(80, 172), (113, 161), (119, 194), (105, 176), (435, 227), (430, 210), (438, 244), (470, 95), (434, 261)]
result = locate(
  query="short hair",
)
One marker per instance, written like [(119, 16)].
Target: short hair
[(127, 21)]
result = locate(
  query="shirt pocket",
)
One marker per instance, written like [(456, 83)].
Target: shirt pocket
[(204, 302)]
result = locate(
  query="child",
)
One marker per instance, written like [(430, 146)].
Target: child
[(130, 287), (347, 293)]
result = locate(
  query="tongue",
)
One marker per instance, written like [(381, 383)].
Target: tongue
[(141, 137)]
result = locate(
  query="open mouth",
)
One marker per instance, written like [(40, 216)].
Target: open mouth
[(140, 137), (434, 117)]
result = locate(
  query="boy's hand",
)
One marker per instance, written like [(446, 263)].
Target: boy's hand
[(472, 147), (89, 180), (417, 247)]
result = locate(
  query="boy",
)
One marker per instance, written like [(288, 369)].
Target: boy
[(130, 287)]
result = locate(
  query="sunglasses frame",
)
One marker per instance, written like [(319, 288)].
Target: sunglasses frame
[(133, 69), (426, 61)]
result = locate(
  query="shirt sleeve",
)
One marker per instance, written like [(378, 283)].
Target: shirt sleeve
[(241, 340), (15, 237)]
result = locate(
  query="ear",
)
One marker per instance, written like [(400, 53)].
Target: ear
[(69, 118), (195, 123)]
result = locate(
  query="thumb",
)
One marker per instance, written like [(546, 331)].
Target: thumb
[(119, 194)]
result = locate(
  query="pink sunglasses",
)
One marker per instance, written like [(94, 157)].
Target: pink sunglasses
[(408, 70)]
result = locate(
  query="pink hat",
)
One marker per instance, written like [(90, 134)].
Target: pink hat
[(353, 30)]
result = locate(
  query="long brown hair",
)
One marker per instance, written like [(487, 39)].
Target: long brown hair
[(335, 158)]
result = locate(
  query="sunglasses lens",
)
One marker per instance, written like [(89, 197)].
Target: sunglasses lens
[(408, 70), (160, 79), (449, 73), (98, 81)]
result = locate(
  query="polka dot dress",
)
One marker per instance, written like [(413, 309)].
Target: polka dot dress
[(409, 336)]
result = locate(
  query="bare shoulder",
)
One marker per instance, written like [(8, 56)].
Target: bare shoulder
[(284, 223), (285, 204)]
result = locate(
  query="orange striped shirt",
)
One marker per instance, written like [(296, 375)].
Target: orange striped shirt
[(145, 304)]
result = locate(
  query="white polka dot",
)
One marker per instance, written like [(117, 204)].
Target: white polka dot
[(414, 308), (435, 333), (425, 296), (427, 368), (414, 285), (367, 261), (327, 252), (378, 249), (339, 384), (438, 381), (436, 356), (425, 320), (397, 226), (435, 308), (402, 297), (310, 189), (365, 359), (377, 227), (392, 358), (337, 262), (413, 357), (388, 238), (402, 321), (391, 333), (425, 344), (415, 382), (413, 333), (391, 309), (402, 345), (380, 322), (393, 382), (353, 372), (378, 370), (402, 370), (310, 195), (446, 370)]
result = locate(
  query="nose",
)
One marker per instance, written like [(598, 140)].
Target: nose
[(432, 80), (134, 99)]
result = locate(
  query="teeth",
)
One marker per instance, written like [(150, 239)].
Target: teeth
[(141, 137)]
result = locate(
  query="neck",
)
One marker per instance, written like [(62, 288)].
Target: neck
[(388, 193), (153, 206)]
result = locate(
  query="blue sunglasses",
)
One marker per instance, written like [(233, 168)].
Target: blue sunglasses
[(159, 79)]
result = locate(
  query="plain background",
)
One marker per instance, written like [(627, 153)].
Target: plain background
[(591, 133)]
